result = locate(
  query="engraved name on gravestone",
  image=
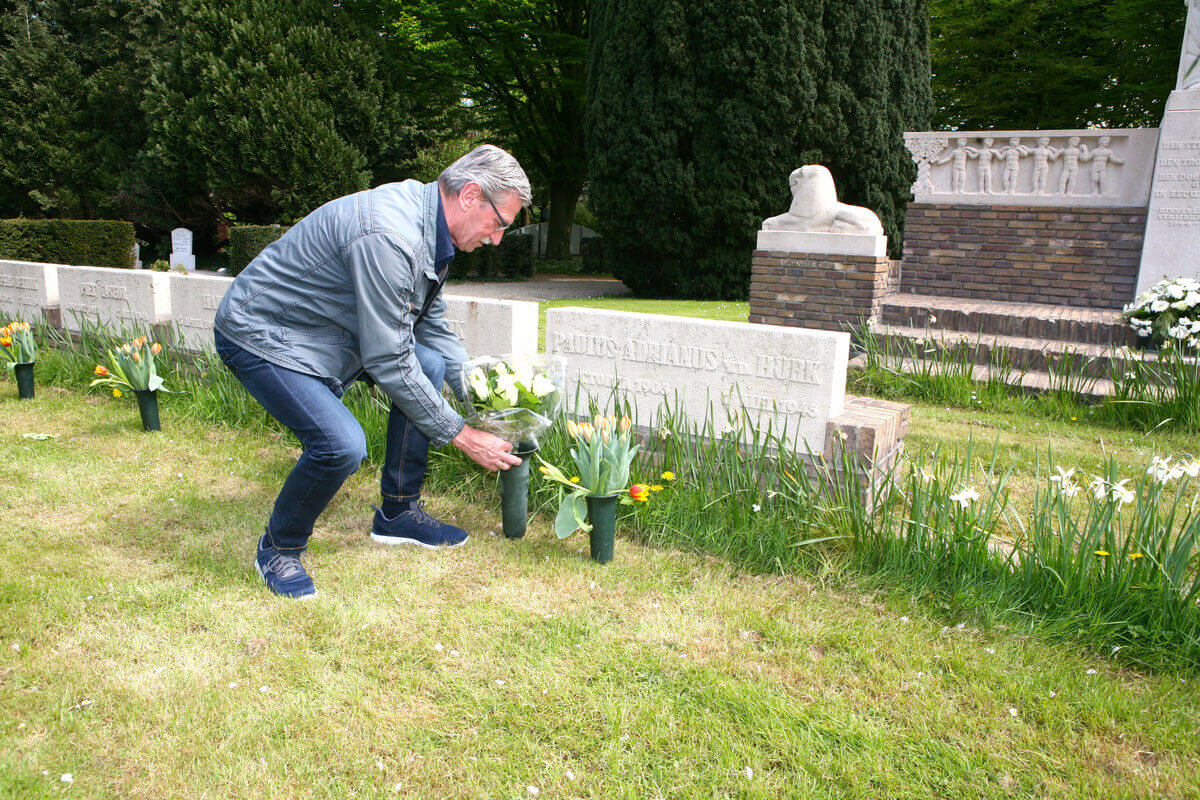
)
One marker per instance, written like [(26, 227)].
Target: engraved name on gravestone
[(26, 288), (181, 249), (194, 303), (494, 327), (126, 300), (790, 379), (1172, 243)]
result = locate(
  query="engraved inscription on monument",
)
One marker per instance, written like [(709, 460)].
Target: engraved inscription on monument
[(788, 380)]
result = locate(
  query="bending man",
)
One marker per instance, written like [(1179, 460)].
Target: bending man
[(350, 292)]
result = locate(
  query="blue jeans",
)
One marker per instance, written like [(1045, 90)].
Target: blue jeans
[(333, 441)]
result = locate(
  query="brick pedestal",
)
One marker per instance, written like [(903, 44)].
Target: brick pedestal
[(869, 436), (810, 290), (1077, 256)]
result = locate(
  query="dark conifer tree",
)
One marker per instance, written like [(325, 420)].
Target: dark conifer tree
[(698, 112)]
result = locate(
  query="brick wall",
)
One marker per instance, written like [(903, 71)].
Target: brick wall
[(1068, 256), (817, 291)]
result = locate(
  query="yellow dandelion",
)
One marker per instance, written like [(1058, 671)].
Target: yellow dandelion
[(116, 392), (1135, 555), (668, 476), (1102, 552), (575, 479), (656, 488)]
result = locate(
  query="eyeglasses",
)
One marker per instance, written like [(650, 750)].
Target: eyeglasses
[(503, 225)]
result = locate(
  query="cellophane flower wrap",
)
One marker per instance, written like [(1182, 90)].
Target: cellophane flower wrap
[(515, 399), (1169, 311), (131, 367), (17, 345)]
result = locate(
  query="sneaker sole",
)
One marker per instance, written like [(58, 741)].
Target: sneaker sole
[(395, 540), (258, 569)]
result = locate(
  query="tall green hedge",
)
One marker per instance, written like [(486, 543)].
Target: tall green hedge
[(247, 241), (78, 242)]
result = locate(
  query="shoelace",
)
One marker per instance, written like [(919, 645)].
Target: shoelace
[(421, 515), (285, 566)]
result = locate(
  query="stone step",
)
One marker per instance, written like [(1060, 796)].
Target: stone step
[(1021, 352), (1024, 320), (1089, 390)]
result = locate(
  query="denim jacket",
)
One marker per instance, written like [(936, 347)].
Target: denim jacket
[(339, 293)]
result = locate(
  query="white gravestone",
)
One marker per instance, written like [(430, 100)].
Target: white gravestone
[(790, 379), (181, 249), (817, 222), (194, 303), (489, 327), (26, 288), (1093, 167), (125, 300), (1172, 243)]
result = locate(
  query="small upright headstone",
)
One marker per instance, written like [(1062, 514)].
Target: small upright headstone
[(181, 249), (137, 256)]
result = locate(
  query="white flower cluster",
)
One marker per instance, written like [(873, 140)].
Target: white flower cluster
[(1163, 471), (501, 386), (1172, 306)]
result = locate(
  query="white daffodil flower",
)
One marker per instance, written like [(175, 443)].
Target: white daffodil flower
[(1160, 468), (1063, 476), (1120, 494), (1099, 488), (1159, 306), (965, 497)]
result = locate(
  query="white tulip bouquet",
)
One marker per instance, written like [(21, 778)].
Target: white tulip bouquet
[(513, 399)]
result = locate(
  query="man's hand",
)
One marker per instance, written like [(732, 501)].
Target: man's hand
[(489, 452)]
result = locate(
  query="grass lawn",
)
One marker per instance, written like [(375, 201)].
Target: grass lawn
[(141, 654)]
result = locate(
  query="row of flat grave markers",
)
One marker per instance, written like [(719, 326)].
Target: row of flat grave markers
[(789, 380), (139, 301)]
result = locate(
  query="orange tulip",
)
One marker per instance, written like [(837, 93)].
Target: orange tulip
[(6, 342), (101, 371), (156, 348), (639, 492)]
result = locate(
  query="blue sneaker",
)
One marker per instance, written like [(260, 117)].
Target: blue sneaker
[(283, 572), (416, 526)]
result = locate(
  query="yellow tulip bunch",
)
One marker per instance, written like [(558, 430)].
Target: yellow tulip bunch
[(602, 452), (132, 367)]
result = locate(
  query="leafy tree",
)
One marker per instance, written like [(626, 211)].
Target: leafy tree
[(698, 112), (267, 108), (522, 64), (1029, 64), (46, 165)]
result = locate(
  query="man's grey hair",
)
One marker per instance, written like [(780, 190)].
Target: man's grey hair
[(497, 173)]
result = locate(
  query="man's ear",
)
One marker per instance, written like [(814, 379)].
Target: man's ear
[(469, 195)]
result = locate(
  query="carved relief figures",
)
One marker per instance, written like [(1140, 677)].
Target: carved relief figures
[(1100, 158), (1048, 168)]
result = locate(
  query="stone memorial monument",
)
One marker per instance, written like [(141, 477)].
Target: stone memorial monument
[(823, 263), (790, 381), (181, 249), (1172, 242)]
